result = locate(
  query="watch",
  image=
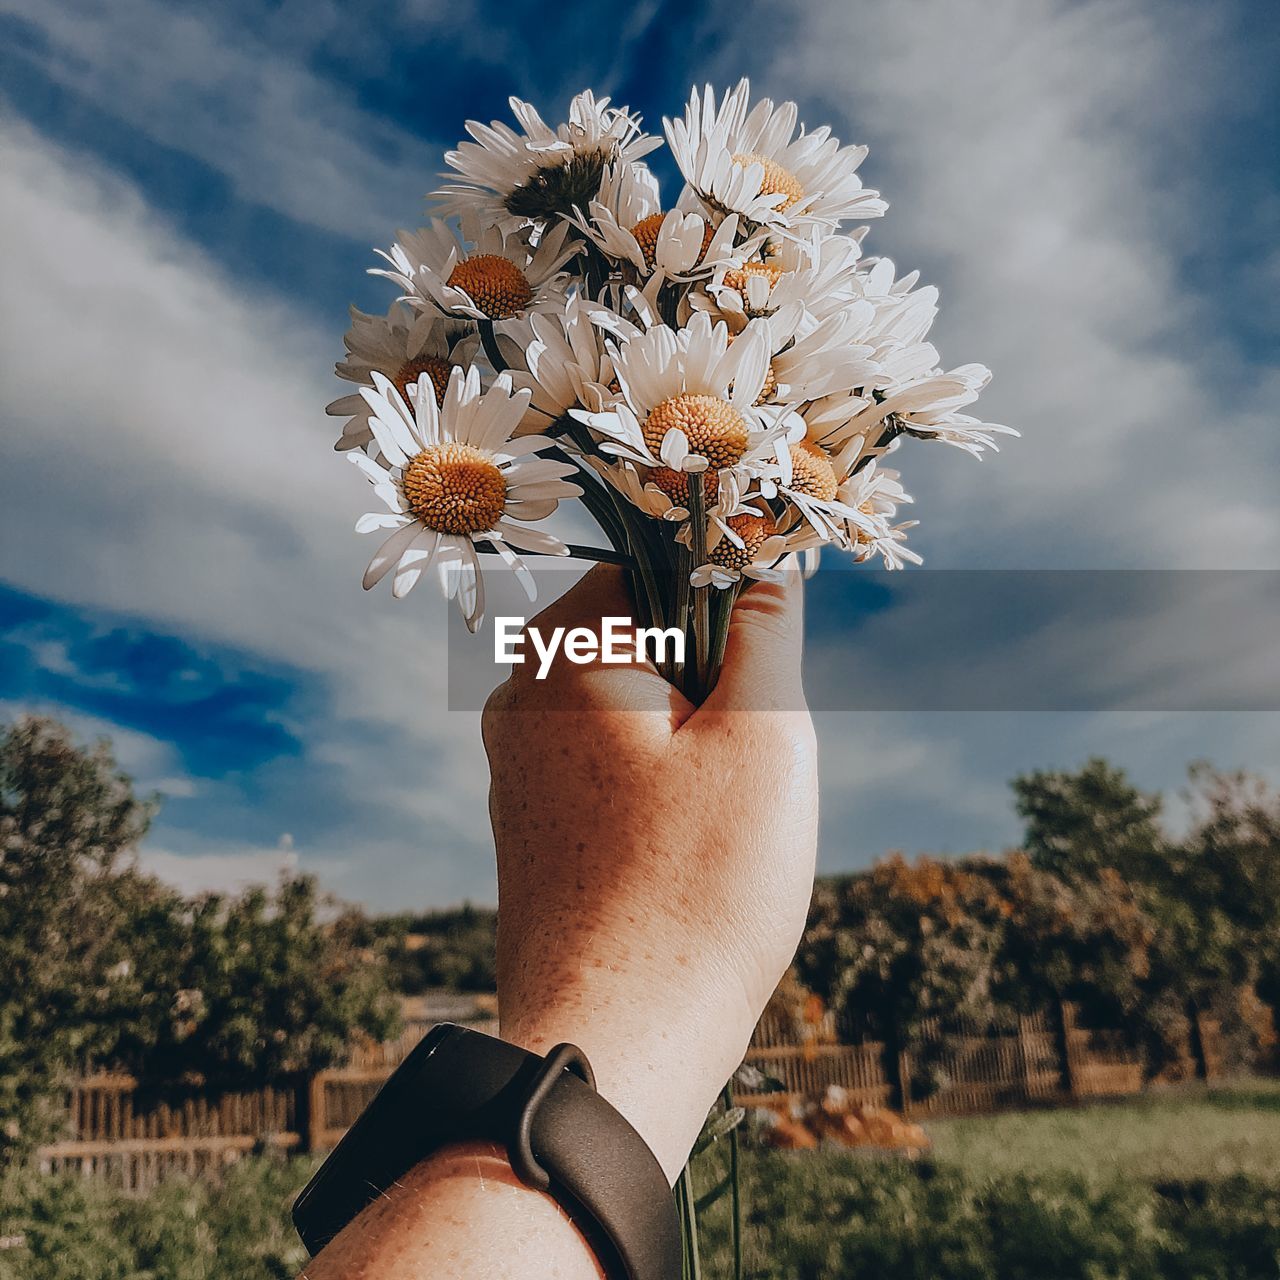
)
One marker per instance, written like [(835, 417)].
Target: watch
[(562, 1137)]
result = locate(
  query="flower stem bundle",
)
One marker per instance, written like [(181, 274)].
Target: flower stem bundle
[(717, 381)]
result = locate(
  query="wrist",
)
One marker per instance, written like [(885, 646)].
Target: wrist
[(663, 1078)]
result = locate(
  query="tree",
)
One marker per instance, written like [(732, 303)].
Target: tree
[(236, 992), (904, 946), (103, 964), (68, 817), (1077, 823)]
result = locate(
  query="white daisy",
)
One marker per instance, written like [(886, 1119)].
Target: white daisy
[(753, 164), (912, 394), (746, 545), (509, 178), (567, 364), (876, 493), (810, 359), (487, 275), (402, 345), (819, 274), (452, 478), (688, 397), (627, 224), (644, 494)]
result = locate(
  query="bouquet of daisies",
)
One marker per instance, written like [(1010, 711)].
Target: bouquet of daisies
[(718, 381)]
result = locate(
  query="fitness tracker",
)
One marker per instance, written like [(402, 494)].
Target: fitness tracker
[(562, 1137)]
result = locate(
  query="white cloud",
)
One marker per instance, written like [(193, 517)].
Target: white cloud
[(1039, 158), (168, 456), (284, 137), (228, 871)]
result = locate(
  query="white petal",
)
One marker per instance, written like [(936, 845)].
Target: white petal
[(389, 553)]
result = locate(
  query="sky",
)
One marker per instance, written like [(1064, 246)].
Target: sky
[(190, 200)]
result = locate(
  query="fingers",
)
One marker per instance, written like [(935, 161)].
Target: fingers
[(602, 592), (761, 669)]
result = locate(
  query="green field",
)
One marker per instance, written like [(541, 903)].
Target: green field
[(1184, 1133), (1175, 1186)]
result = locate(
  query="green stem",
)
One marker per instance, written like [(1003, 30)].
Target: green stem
[(489, 340), (735, 1188), (723, 618), (693, 1264), (701, 615), (680, 617), (642, 569)]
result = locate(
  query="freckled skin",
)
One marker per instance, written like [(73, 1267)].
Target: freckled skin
[(655, 864)]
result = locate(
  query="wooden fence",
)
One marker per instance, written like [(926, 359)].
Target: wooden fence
[(1049, 1058)]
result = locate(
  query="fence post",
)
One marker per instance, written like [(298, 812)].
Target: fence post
[(896, 1066), (312, 1122), (1201, 1031), (1067, 1023), (1025, 1054)]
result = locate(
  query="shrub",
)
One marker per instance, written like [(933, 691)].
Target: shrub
[(237, 1228)]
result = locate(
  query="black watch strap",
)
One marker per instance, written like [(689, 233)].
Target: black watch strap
[(458, 1085)]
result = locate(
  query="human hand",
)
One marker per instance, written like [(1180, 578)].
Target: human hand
[(655, 861)]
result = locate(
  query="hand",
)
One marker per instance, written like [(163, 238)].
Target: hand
[(655, 861)]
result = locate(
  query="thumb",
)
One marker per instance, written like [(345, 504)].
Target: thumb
[(761, 669)]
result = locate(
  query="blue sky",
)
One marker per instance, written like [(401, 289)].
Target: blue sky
[(191, 197)]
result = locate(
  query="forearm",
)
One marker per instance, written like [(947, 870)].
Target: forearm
[(461, 1213)]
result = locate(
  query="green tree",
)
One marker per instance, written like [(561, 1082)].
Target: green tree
[(68, 820), (251, 989), (1079, 822), (104, 964)]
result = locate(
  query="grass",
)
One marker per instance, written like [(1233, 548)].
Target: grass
[(1188, 1132)]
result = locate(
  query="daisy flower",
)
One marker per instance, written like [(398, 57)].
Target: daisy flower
[(509, 178), (688, 397), (628, 225), (810, 359), (453, 478), (746, 545), (647, 495), (913, 395), (401, 345), (752, 163), (489, 275), (819, 275), (567, 365), (875, 493)]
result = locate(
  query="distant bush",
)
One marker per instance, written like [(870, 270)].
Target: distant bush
[(235, 1229), (454, 948)]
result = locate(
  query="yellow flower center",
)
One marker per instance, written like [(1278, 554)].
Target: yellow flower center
[(406, 377), (737, 277), (493, 283), (776, 181), (713, 427), (675, 484), (812, 473), (455, 488), (646, 234), (753, 530)]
